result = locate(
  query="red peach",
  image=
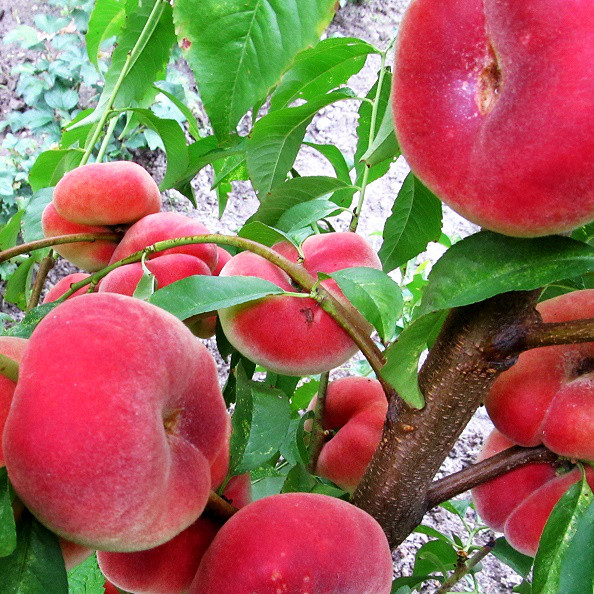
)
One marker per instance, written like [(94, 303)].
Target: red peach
[(292, 335), (89, 255), (114, 193), (110, 588), (493, 103), (115, 422), (162, 226), (546, 397), (223, 257), (12, 348), (299, 543), (63, 286), (355, 408)]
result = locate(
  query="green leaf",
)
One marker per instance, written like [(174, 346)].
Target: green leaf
[(61, 99), (36, 566), (304, 394), (521, 564), (199, 294), (264, 234), (86, 578), (25, 328), (18, 287), (186, 111), (174, 142), (293, 448), (276, 139), (299, 190), (8, 536), (107, 19), (402, 358), (435, 556), (50, 166), (260, 423), (414, 222), (147, 284), (556, 540), (27, 37), (384, 145), (238, 49), (320, 69), (32, 230), (335, 157), (299, 480), (10, 231), (487, 264), (377, 297), (302, 215)]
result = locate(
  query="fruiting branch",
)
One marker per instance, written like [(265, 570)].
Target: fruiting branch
[(550, 334), (486, 470)]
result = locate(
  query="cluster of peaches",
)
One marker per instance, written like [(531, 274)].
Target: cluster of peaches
[(116, 433)]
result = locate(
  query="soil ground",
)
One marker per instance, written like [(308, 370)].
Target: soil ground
[(375, 21)]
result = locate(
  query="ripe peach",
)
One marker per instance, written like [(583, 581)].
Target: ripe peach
[(299, 543), (355, 408), (12, 348), (223, 257), (115, 193), (292, 335), (546, 397), (115, 422), (162, 226), (90, 255), (171, 567), (63, 286), (493, 103)]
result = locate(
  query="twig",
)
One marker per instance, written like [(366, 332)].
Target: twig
[(317, 429)]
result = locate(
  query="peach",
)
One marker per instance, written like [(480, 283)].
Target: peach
[(64, 285), (89, 255), (162, 226), (223, 257), (293, 335), (110, 588), (355, 408), (115, 193), (493, 103), (115, 422), (12, 348), (74, 554), (546, 397), (170, 567), (298, 543), (167, 269)]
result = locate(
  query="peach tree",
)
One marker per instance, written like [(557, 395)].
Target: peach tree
[(491, 103)]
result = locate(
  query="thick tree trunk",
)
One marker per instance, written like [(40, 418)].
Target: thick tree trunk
[(476, 343)]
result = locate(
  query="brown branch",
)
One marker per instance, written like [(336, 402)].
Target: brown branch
[(219, 508), (317, 438), (463, 569), (44, 267), (25, 248), (454, 379), (574, 331), (486, 470)]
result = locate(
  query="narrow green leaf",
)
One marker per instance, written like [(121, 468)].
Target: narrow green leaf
[(32, 219), (299, 480), (414, 222), (335, 157), (402, 358), (264, 234), (50, 166), (25, 328), (299, 190), (487, 264), (276, 139), (147, 284), (302, 215), (293, 448), (36, 566), (199, 294), (107, 20), (186, 111), (10, 231), (320, 69), (384, 145), (238, 49), (377, 297), (8, 536), (86, 578), (521, 564), (557, 537), (18, 287)]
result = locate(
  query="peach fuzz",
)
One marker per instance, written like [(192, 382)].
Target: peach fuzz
[(115, 422), (64, 285), (497, 499), (167, 269), (355, 408), (171, 567), (547, 396), (299, 543), (293, 335), (163, 226), (89, 255), (115, 193), (13, 348), (509, 84)]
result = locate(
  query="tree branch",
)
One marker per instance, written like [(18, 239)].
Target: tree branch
[(551, 334), (486, 470)]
